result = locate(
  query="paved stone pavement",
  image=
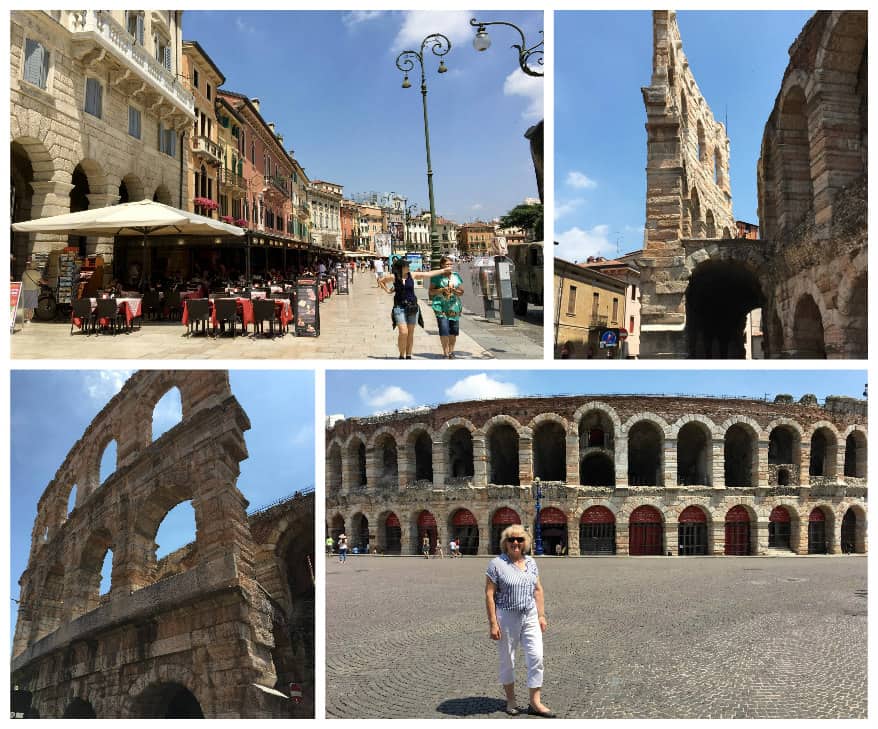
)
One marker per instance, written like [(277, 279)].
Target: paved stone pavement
[(628, 638), (352, 327)]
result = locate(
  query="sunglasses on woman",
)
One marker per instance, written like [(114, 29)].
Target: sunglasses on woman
[(520, 540)]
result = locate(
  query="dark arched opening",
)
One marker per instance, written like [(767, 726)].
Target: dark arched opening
[(423, 457), (597, 469), (388, 465), (550, 451), (692, 532), (645, 446), (392, 535), (503, 455), (597, 531), (808, 342), (79, 709), (855, 455), (779, 528), (645, 532), (849, 532), (358, 539), (719, 297), (167, 701), (817, 532), (503, 517), (460, 454), (553, 526), (465, 530), (737, 532), (739, 456), (694, 455), (425, 526)]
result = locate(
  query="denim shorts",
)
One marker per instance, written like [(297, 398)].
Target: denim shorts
[(448, 327), (400, 317)]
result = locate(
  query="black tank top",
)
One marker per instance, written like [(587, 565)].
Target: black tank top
[(406, 294)]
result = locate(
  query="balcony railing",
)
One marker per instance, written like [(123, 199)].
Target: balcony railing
[(110, 36), (232, 179), (598, 320), (279, 183), (206, 147)]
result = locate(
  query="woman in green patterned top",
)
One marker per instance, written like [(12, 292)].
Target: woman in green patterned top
[(445, 292)]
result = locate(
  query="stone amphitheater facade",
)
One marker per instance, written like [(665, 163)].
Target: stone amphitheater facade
[(808, 270), (219, 628), (618, 474)]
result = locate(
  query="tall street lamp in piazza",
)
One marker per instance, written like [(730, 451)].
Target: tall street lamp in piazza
[(538, 529), (526, 56), (439, 45)]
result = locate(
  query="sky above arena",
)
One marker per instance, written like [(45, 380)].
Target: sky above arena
[(603, 59), (359, 394), (329, 81), (52, 409)]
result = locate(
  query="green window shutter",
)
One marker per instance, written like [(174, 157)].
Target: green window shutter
[(33, 62)]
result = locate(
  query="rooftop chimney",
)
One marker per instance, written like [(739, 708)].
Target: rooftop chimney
[(255, 102)]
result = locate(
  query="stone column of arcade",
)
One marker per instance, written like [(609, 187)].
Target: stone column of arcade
[(525, 456), (572, 458), (480, 460), (572, 535), (671, 534), (49, 198), (485, 537), (440, 462), (717, 535), (761, 535), (102, 245), (717, 463), (669, 463)]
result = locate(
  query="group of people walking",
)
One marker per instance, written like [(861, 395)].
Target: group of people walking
[(445, 290)]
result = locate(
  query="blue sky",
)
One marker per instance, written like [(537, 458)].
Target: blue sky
[(330, 83), (738, 59), (357, 394), (51, 410)]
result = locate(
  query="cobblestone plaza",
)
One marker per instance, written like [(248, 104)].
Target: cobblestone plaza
[(627, 638)]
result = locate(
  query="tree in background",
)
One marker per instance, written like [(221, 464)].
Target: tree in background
[(528, 217)]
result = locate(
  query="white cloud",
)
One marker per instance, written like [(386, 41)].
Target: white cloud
[(565, 208), (357, 17), (580, 181), (576, 244), (387, 397), (417, 24), (103, 384), (481, 387), (303, 436), (531, 88), (477, 206), (244, 27)]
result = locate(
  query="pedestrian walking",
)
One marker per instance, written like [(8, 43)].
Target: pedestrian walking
[(452, 547), (342, 547), (446, 288), (425, 546), (329, 545), (406, 312), (515, 603), (439, 552), (379, 270)]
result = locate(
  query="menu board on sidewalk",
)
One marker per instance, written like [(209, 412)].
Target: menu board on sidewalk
[(14, 298), (342, 278), (307, 308)]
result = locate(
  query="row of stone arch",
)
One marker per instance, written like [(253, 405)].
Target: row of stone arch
[(596, 449), (122, 430), (815, 141), (637, 530)]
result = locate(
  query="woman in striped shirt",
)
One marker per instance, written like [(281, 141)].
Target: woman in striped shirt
[(516, 614)]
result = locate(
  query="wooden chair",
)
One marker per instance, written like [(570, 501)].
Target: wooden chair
[(198, 312)]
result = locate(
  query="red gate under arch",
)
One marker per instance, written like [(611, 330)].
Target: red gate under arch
[(737, 531), (597, 531), (645, 532), (817, 531), (692, 532), (392, 534), (465, 529), (553, 528), (779, 528), (427, 527)]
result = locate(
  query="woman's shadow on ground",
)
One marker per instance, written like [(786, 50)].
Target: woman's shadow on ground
[(471, 706)]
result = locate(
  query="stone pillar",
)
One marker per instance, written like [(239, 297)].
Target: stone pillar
[(718, 463), (49, 198), (373, 466), (405, 464), (672, 537), (102, 245), (717, 537), (799, 535), (525, 459), (833, 536), (480, 461), (572, 459), (761, 530), (836, 154), (485, 537), (572, 535), (620, 457), (669, 463), (805, 464), (762, 469), (440, 462), (622, 537)]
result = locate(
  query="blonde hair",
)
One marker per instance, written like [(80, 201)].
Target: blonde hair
[(514, 530)]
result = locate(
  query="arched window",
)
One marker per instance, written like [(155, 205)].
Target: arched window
[(108, 462), (167, 413)]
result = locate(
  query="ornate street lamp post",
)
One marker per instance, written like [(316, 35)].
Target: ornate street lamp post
[(538, 529), (526, 56), (405, 62)]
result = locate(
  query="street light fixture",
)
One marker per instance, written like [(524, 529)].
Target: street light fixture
[(482, 42), (538, 528), (439, 45), (410, 212)]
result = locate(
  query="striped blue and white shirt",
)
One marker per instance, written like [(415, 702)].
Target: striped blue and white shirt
[(515, 587)]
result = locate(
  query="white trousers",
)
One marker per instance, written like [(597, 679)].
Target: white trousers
[(517, 627)]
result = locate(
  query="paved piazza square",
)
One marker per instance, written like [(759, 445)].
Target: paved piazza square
[(637, 637)]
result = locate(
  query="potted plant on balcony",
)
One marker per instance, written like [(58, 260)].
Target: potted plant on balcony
[(242, 222), (205, 203), (227, 219)]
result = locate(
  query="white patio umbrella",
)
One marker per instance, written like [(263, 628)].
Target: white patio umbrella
[(143, 217)]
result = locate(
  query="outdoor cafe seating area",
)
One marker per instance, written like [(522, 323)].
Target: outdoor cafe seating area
[(263, 308)]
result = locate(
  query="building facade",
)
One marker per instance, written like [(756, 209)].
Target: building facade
[(618, 475), (98, 116), (808, 272), (216, 629), (625, 270), (205, 153), (324, 202), (588, 303), (475, 239)]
